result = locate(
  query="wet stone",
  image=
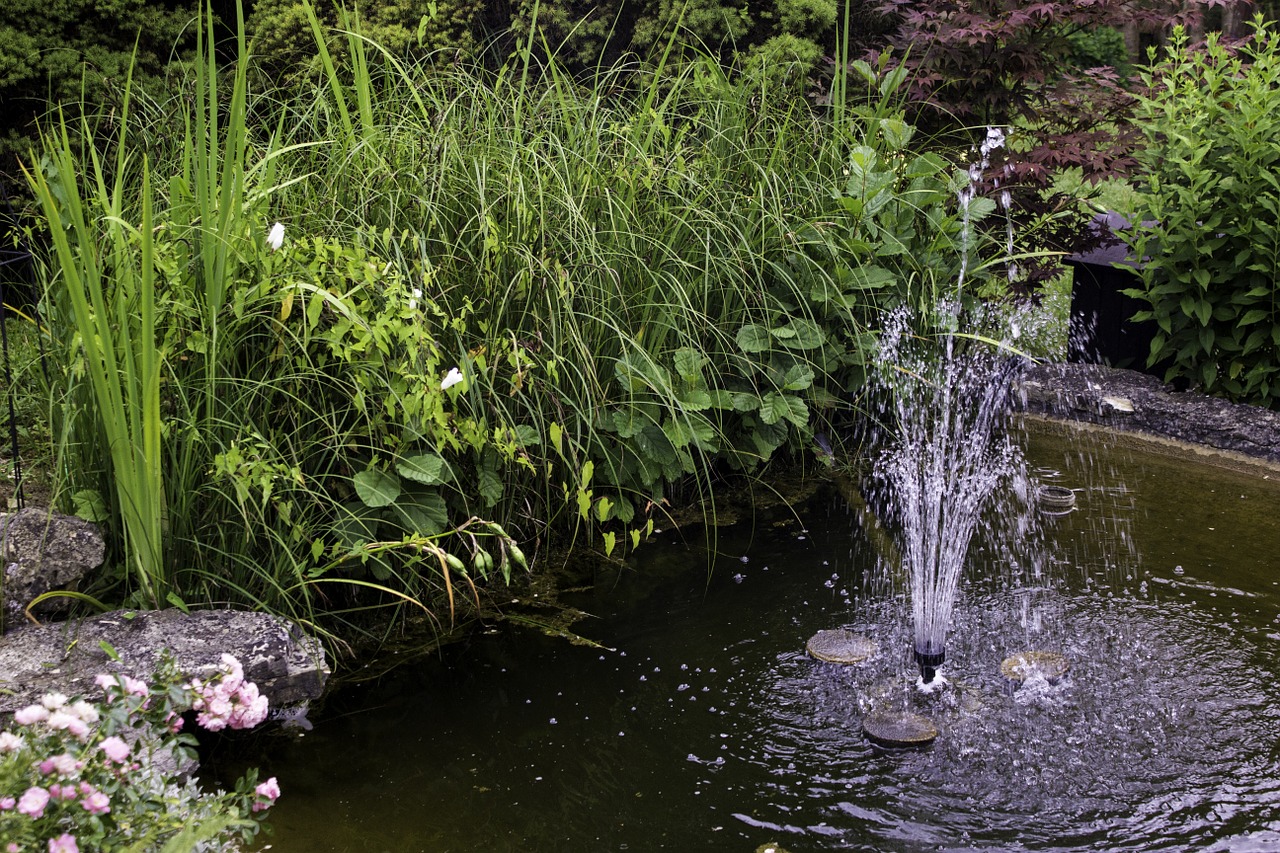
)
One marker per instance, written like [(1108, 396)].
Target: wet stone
[(840, 645), (899, 730), (1051, 666)]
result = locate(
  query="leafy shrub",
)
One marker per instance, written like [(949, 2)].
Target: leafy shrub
[(1211, 195), (285, 48), (62, 52)]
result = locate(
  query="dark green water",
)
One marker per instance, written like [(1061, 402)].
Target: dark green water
[(705, 727)]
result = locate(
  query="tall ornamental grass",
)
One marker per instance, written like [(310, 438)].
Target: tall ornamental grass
[(499, 306)]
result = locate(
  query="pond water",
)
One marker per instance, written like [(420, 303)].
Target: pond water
[(701, 725)]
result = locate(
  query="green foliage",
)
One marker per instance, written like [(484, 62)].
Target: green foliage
[(66, 51), (501, 306), (1211, 186), (284, 46), (1099, 47)]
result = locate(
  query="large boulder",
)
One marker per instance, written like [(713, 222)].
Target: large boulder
[(44, 551), (287, 665)]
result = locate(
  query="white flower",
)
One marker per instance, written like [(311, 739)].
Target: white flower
[(275, 237), (414, 297), (53, 701), (995, 139), (452, 378)]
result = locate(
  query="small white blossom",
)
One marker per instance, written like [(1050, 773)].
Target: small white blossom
[(275, 237), (453, 377), (995, 139), (414, 297)]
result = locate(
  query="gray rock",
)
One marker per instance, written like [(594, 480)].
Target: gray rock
[(287, 665), (1134, 402), (44, 551)]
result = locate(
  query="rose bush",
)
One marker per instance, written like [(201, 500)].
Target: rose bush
[(111, 775)]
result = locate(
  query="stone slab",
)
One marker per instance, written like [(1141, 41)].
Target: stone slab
[(288, 666)]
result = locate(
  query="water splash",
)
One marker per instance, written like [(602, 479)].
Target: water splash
[(947, 458), (948, 392)]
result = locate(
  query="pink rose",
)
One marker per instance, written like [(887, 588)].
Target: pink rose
[(70, 722), (53, 701), (31, 714), (135, 687), (115, 749), (84, 711), (32, 802), (63, 765), (10, 742), (62, 792), (211, 722), (64, 843), (7, 803), (96, 803), (267, 793)]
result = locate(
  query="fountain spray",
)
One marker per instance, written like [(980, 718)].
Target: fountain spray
[(949, 456)]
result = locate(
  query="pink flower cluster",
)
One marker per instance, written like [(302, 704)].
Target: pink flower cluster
[(228, 700), (265, 794), (53, 711)]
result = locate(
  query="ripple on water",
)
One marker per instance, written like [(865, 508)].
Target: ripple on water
[(1161, 736)]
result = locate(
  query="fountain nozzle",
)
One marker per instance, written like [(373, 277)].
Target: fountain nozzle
[(929, 661)]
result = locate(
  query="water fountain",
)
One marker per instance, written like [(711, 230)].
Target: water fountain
[(946, 392), (947, 457)]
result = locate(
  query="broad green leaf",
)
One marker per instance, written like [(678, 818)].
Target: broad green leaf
[(800, 333), (376, 488), (897, 133), (798, 378), (778, 407), (423, 511), (527, 435), (488, 481), (753, 338), (629, 421), (694, 400), (427, 468), (604, 509), (689, 363), (980, 208), (89, 505)]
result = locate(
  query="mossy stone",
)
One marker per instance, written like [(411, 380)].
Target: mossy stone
[(1051, 666), (899, 730), (840, 645)]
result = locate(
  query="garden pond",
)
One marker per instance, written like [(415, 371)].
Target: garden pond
[(698, 723)]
